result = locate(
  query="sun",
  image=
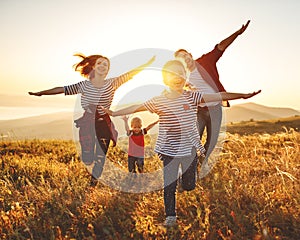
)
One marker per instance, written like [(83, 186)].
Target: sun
[(141, 88)]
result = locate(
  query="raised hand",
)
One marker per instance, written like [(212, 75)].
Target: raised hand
[(125, 118), (243, 28)]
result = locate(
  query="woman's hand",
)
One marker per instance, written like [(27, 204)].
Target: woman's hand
[(35, 93)]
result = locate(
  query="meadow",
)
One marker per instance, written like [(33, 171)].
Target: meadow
[(253, 192)]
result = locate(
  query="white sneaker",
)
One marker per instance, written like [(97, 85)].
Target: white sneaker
[(170, 221)]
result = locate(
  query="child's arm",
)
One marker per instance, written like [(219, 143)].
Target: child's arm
[(125, 111), (125, 118), (151, 125), (52, 91), (215, 97)]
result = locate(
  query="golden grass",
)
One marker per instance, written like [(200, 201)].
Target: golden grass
[(253, 192)]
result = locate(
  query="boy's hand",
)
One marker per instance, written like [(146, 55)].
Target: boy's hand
[(109, 112), (249, 95)]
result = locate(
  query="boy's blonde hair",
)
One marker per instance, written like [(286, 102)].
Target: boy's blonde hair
[(169, 68), (137, 121)]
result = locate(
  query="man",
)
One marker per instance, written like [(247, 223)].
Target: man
[(205, 77)]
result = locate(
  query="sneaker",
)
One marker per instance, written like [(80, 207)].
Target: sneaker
[(170, 221)]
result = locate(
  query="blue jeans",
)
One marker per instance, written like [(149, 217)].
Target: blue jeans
[(209, 118), (171, 167)]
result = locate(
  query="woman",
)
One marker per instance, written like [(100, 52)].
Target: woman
[(178, 139), (95, 91)]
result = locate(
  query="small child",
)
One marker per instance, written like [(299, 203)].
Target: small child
[(136, 143)]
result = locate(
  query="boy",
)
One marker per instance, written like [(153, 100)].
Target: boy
[(136, 143), (178, 142)]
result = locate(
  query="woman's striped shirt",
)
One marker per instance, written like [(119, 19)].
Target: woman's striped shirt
[(94, 96), (178, 132)]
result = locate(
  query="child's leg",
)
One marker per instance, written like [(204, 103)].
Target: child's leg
[(170, 182), (189, 169), (131, 164), (140, 164)]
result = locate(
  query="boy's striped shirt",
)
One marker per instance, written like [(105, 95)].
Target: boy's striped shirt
[(178, 132)]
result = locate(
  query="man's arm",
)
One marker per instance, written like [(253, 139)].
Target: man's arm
[(227, 41)]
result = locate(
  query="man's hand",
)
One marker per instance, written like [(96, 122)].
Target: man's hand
[(243, 28)]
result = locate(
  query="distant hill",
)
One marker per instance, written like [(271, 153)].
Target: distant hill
[(264, 126), (248, 111), (47, 126), (60, 125), (56, 126)]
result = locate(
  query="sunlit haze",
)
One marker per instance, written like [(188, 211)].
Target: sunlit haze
[(39, 38)]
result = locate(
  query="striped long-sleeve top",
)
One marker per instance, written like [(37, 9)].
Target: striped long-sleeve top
[(91, 95), (178, 132)]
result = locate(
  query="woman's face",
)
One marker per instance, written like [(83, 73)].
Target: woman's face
[(175, 77), (101, 66)]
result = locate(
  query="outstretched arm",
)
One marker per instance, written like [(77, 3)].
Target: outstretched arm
[(224, 96), (52, 91), (125, 111), (125, 118), (227, 41), (151, 125), (136, 70)]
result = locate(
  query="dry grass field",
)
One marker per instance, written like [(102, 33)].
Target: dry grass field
[(253, 192)]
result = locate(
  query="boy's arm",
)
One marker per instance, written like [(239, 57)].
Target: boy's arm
[(125, 118), (215, 97), (52, 91), (227, 41), (125, 111), (151, 125)]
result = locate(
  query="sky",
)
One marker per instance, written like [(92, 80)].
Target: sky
[(39, 37)]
